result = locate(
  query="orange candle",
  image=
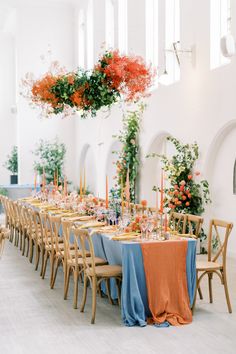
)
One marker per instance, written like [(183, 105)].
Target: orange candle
[(44, 180), (57, 180), (122, 199), (84, 182), (162, 193), (65, 186), (127, 188), (107, 200), (35, 181), (157, 200), (81, 185)]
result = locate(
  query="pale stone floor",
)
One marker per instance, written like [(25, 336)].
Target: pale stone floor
[(35, 319)]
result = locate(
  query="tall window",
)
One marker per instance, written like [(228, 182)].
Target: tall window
[(172, 37), (110, 24), (81, 40), (152, 32), (122, 26), (220, 22), (90, 35)]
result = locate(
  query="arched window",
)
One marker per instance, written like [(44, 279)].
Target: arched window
[(81, 39), (110, 24), (90, 35), (122, 26), (220, 25), (172, 37)]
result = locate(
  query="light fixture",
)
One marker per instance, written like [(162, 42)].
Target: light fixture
[(177, 51)]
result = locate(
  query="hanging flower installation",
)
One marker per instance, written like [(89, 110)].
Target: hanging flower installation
[(113, 78)]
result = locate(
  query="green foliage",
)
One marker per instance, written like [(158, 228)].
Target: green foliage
[(11, 163), (186, 193), (3, 191), (128, 158), (50, 157)]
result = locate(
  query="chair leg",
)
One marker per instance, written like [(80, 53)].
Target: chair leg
[(65, 278), (31, 250), (195, 294), (37, 256), (28, 246), (84, 294), (108, 289), (42, 259), (45, 264), (55, 272), (23, 243), (227, 292), (94, 299), (20, 236), (68, 271), (52, 261), (200, 292), (76, 279), (210, 287)]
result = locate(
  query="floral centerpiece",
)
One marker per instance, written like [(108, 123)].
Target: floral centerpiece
[(186, 192), (113, 78)]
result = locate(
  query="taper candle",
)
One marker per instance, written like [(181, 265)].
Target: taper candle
[(84, 181), (107, 201), (162, 191), (81, 185)]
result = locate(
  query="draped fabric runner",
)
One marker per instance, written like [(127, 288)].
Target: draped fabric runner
[(166, 280)]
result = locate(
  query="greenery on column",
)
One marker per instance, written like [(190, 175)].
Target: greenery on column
[(128, 157)]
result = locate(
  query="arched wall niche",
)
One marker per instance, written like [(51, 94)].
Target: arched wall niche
[(88, 164), (219, 170), (150, 171)]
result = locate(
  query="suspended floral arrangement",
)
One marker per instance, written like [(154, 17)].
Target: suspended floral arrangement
[(113, 78)]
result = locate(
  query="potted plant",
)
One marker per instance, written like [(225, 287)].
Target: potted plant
[(50, 157), (11, 165)]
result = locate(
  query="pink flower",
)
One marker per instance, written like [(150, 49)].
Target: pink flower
[(197, 173), (183, 183)]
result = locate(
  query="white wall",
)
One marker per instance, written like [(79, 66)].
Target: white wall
[(39, 26), (7, 100), (195, 108)]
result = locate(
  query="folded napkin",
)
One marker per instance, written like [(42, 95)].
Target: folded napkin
[(91, 225), (126, 236), (188, 236)]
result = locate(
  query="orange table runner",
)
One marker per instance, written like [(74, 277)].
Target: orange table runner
[(166, 280)]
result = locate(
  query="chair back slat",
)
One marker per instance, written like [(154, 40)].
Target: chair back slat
[(83, 239), (193, 224), (177, 222), (219, 226)]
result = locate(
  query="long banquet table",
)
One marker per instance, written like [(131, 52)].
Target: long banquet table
[(134, 298)]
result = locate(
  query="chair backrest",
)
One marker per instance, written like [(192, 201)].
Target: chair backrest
[(219, 227), (66, 227), (55, 224), (177, 222), (193, 224), (45, 227), (83, 239)]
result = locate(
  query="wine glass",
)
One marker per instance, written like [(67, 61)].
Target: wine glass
[(143, 226)]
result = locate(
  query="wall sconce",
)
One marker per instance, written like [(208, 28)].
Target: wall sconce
[(178, 51)]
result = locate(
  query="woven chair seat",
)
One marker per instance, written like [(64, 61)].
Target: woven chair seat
[(205, 265), (106, 271)]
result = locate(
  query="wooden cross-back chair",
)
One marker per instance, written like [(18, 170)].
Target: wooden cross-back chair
[(74, 260), (177, 222), (215, 265), (193, 225), (95, 272)]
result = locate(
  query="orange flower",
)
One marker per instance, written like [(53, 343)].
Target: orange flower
[(41, 90), (144, 203), (187, 203), (190, 177)]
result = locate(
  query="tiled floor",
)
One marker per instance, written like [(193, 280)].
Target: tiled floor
[(35, 319)]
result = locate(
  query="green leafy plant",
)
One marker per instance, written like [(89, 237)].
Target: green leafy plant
[(50, 158), (3, 191), (128, 157), (11, 163)]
